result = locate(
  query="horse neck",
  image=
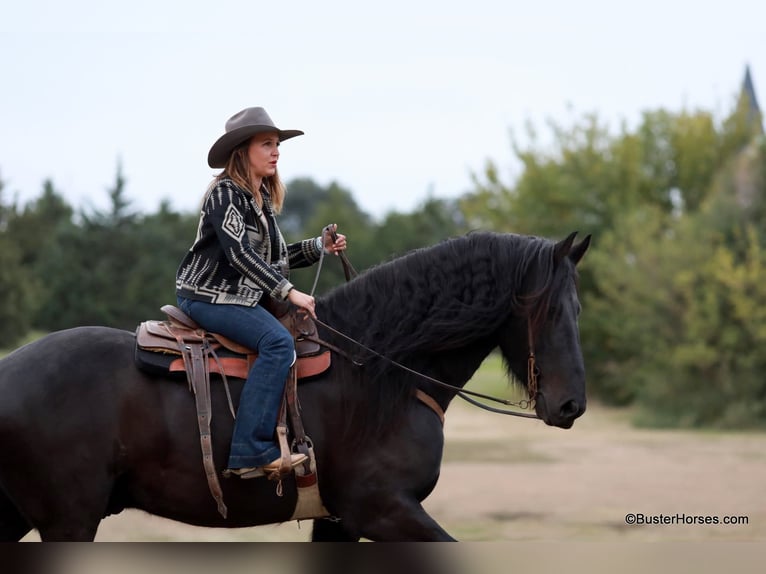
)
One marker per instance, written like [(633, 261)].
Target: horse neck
[(455, 368)]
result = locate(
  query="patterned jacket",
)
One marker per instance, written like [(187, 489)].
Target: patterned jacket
[(230, 260)]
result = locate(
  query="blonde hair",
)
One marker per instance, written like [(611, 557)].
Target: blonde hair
[(237, 169)]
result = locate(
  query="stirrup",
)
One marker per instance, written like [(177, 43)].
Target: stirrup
[(296, 459)]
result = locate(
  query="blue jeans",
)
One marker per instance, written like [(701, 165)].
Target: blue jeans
[(253, 442)]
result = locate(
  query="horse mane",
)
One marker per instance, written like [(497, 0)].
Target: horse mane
[(433, 300)]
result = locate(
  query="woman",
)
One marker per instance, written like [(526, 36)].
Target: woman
[(237, 262)]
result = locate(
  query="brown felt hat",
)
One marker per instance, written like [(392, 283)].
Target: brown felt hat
[(241, 127)]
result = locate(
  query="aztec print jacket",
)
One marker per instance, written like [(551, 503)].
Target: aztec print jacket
[(231, 259)]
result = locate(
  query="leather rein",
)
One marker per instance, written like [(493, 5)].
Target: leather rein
[(532, 370)]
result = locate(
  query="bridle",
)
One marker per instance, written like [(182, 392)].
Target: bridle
[(532, 376), (533, 372)]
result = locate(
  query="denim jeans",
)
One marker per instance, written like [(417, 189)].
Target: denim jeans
[(253, 442)]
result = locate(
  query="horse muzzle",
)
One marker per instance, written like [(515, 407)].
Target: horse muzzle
[(562, 413)]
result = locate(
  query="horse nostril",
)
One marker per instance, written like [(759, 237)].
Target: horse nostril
[(569, 409)]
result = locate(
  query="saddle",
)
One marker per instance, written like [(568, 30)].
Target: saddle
[(179, 346), (160, 346)]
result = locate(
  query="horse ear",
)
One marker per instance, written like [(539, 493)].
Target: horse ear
[(579, 250), (563, 247)]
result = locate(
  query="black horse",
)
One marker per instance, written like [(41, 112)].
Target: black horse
[(84, 434)]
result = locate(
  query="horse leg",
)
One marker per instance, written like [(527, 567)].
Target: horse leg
[(73, 516), (70, 529), (13, 526), (69, 512), (404, 519), (326, 530)]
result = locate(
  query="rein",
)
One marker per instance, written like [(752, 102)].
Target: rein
[(532, 370), (348, 269), (462, 393)]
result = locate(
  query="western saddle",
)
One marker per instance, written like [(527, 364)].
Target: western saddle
[(179, 345)]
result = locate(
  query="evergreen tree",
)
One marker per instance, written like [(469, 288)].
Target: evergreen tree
[(15, 300)]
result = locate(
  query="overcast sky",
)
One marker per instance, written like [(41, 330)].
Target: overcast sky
[(398, 99)]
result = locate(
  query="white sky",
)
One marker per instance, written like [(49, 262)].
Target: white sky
[(398, 99)]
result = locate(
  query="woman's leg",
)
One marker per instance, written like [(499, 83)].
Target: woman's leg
[(253, 442)]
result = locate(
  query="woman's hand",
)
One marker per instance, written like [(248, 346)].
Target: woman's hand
[(302, 301), (331, 246)]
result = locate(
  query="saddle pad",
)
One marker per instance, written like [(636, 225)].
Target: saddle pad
[(234, 365), (239, 367)]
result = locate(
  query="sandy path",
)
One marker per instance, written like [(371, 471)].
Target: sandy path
[(580, 484)]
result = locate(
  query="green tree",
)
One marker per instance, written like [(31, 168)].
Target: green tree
[(112, 267), (15, 299), (35, 229), (304, 195), (433, 221), (160, 240), (712, 373), (629, 307)]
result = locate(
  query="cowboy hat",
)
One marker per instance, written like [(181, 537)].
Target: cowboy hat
[(241, 127)]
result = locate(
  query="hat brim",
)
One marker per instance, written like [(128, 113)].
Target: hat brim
[(221, 150)]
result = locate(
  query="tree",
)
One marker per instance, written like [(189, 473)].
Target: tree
[(161, 240), (303, 197), (90, 267), (433, 221), (15, 278), (628, 306)]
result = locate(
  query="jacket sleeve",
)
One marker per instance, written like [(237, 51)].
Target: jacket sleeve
[(224, 208), (303, 253)]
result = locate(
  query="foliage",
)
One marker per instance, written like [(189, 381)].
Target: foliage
[(112, 268), (15, 280), (719, 329)]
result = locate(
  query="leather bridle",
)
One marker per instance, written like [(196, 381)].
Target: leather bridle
[(533, 374)]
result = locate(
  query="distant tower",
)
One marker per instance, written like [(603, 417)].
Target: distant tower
[(754, 116), (748, 181)]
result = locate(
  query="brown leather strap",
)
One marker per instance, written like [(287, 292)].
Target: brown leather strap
[(293, 407), (285, 465), (199, 380), (430, 403), (348, 269), (284, 448)]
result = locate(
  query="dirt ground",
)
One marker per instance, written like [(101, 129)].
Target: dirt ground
[(508, 479)]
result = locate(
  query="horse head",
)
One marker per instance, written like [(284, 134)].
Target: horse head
[(546, 327)]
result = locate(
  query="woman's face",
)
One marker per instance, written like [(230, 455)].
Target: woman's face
[(263, 154)]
